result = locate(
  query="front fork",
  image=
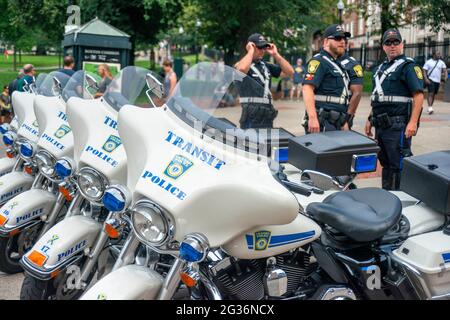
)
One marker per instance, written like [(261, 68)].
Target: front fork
[(60, 201), (128, 252), (18, 164), (172, 280)]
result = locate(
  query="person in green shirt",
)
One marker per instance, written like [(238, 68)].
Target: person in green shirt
[(29, 72)]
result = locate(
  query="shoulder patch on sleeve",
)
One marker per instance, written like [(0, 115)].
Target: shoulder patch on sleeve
[(418, 71), (313, 65), (358, 70)]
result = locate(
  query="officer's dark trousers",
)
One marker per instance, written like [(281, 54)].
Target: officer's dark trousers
[(394, 147)]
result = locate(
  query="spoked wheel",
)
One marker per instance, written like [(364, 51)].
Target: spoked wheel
[(65, 286), (13, 248)]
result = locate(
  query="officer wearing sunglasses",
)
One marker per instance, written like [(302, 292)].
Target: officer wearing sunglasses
[(397, 100), (326, 85), (255, 96)]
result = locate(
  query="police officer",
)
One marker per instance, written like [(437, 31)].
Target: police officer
[(325, 86), (356, 75), (397, 100), (256, 100)]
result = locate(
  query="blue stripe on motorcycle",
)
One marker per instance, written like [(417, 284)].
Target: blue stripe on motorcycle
[(291, 237), (289, 242), (249, 239)]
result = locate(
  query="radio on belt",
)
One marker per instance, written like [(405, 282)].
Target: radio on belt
[(336, 153)]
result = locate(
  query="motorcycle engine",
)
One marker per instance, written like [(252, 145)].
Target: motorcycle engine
[(244, 279)]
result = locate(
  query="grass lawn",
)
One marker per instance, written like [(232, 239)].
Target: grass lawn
[(367, 81), (37, 61)]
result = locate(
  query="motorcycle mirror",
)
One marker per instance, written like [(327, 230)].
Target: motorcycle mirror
[(57, 87), (154, 87), (92, 85), (319, 180)]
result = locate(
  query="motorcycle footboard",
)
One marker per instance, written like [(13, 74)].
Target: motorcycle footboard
[(12, 184), (25, 209), (62, 245), (131, 282)]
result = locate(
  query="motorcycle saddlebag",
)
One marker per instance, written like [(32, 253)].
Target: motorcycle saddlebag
[(427, 178), (336, 153)]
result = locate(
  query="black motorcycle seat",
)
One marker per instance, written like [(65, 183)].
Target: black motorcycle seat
[(363, 215)]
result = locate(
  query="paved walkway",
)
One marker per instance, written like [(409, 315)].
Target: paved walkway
[(434, 134)]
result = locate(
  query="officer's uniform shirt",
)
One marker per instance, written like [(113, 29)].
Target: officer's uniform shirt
[(326, 80), (250, 89), (404, 81), (353, 68)]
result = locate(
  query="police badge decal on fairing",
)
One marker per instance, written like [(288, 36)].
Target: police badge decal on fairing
[(178, 166), (262, 239), (62, 131), (112, 144)]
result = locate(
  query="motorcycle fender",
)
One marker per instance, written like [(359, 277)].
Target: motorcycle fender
[(13, 184), (6, 165), (25, 207), (64, 240), (131, 282)]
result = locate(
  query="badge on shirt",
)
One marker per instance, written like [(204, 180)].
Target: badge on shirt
[(313, 66), (359, 71), (418, 71)]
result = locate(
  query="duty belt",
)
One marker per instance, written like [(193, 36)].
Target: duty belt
[(255, 100), (385, 121), (377, 98), (331, 99)]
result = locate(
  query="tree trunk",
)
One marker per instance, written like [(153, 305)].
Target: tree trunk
[(20, 56), (15, 59)]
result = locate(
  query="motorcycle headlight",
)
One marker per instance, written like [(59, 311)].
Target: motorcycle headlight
[(91, 184), (9, 138), (65, 167), (152, 224), (27, 150), (45, 163)]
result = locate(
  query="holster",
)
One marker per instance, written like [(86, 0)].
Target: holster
[(382, 121), (258, 113)]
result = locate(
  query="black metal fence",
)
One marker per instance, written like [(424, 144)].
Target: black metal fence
[(420, 52)]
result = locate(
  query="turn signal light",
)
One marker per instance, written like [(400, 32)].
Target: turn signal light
[(66, 193), (3, 220), (29, 170), (55, 273), (188, 280), (37, 258), (111, 228), (10, 155)]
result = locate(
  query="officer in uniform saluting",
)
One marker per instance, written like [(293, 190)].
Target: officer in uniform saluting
[(326, 85), (257, 106), (397, 101)]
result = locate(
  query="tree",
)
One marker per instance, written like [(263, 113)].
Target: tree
[(227, 24), (392, 14)]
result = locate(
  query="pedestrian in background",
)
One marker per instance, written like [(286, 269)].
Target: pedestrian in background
[(107, 77), (68, 65), (299, 72), (397, 101), (5, 106), (434, 69), (286, 87), (28, 78), (170, 78)]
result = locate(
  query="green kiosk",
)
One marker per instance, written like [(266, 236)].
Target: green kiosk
[(95, 43)]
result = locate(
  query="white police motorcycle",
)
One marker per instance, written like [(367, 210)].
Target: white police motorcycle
[(29, 215), (65, 259), (203, 194), (23, 105)]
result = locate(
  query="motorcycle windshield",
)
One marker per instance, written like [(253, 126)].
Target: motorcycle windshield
[(53, 84), (82, 84), (208, 94), (128, 88), (39, 81)]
